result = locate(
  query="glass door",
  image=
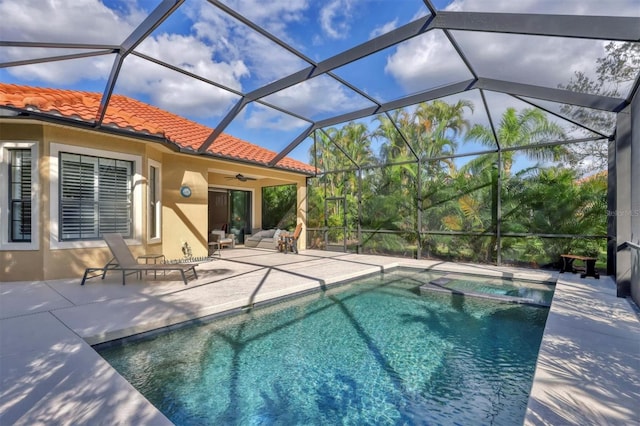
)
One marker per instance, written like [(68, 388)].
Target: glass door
[(240, 213), (218, 210)]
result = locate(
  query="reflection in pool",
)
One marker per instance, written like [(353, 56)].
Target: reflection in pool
[(374, 351)]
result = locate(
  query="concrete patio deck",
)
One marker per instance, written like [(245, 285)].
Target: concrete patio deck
[(587, 371)]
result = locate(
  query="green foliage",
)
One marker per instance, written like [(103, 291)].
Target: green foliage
[(279, 207), (414, 178)]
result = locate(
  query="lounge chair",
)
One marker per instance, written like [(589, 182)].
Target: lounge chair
[(124, 261)]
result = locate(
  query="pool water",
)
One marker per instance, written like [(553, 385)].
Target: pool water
[(536, 292), (369, 352)]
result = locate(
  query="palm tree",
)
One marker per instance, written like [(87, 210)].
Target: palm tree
[(439, 125), (527, 127), (411, 138), (341, 153), (394, 148)]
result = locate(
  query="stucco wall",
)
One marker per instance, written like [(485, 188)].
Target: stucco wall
[(71, 262), (16, 264), (184, 220)]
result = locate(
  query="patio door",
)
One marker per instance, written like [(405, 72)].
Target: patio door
[(230, 209), (218, 209), (240, 214), (335, 216)]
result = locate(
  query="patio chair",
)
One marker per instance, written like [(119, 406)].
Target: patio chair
[(290, 241), (296, 235), (214, 244), (225, 240), (124, 261)]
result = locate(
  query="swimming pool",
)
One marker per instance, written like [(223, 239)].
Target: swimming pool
[(374, 351)]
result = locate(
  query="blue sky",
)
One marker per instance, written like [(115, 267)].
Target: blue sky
[(200, 39)]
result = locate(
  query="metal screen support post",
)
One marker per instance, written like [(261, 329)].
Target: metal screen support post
[(359, 246), (419, 212), (499, 211)]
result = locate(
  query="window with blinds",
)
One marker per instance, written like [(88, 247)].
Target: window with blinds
[(96, 196), (154, 202), (20, 195)]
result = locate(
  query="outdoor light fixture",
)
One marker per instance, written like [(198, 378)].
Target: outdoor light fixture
[(185, 191)]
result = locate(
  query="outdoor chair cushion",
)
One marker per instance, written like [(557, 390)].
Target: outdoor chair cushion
[(267, 239)]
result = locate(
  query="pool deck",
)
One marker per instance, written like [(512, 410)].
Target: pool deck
[(588, 370)]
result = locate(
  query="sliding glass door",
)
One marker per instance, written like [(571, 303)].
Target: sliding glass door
[(230, 210), (240, 208)]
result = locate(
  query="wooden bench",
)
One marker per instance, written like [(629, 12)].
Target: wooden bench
[(588, 270)]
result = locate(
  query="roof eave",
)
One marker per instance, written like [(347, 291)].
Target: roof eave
[(28, 114)]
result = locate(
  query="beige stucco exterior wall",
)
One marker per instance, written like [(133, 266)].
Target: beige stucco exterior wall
[(62, 263), (15, 264), (184, 220)]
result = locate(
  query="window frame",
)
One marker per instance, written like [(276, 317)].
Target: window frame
[(20, 195), (90, 181), (5, 243), (157, 238), (137, 199)]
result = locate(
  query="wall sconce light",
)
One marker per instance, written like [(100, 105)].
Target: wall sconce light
[(185, 191)]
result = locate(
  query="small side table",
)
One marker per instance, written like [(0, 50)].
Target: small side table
[(588, 270), (154, 257)]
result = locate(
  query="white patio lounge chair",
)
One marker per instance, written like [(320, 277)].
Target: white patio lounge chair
[(124, 261)]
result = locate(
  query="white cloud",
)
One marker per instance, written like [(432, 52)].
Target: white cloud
[(222, 49), (273, 15), (232, 41), (319, 96), (267, 61), (262, 117), (74, 21), (572, 7), (80, 21), (426, 61), (218, 49), (191, 54), (537, 60), (545, 61), (174, 92), (383, 29), (335, 19), (65, 73)]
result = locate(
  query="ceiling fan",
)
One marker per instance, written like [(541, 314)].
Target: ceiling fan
[(241, 177)]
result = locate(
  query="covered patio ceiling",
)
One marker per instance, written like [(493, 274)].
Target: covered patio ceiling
[(275, 72)]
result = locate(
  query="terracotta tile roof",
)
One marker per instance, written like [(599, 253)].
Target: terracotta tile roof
[(130, 114)]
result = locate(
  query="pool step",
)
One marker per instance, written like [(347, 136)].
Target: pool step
[(442, 281), (439, 286)]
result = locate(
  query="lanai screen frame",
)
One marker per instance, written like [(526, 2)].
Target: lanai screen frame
[(418, 231), (609, 28)]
